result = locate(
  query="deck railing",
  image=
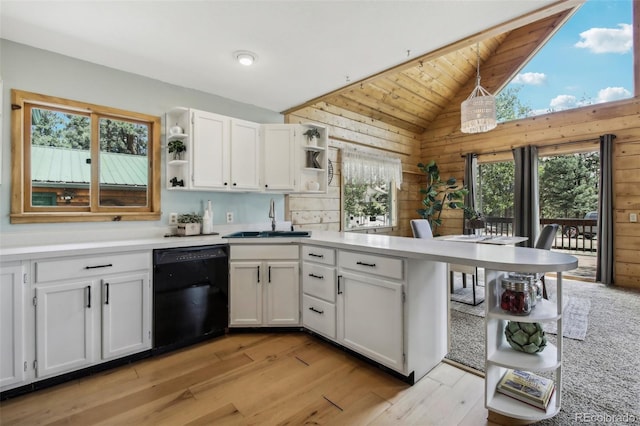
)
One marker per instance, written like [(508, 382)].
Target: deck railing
[(573, 234)]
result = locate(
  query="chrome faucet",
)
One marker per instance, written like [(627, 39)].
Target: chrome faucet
[(272, 215)]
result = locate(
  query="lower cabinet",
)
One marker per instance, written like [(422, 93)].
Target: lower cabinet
[(264, 292), (12, 327), (84, 322), (75, 312), (370, 318)]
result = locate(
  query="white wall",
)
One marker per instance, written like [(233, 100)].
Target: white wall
[(35, 70)]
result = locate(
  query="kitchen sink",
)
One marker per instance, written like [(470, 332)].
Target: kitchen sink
[(268, 234)]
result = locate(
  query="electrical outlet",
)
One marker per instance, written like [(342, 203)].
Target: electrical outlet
[(229, 217), (173, 218), (633, 217)]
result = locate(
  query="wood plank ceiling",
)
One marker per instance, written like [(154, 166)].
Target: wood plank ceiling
[(412, 95)]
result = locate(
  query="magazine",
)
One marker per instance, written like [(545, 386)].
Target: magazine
[(527, 387)]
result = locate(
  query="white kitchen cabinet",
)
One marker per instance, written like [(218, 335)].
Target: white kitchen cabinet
[(12, 325), (126, 315), (65, 318), (210, 155), (319, 290), (264, 285), (370, 308), (279, 159), (245, 170), (223, 153), (90, 309)]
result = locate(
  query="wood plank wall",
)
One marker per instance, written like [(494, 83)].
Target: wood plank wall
[(348, 129), (620, 118)]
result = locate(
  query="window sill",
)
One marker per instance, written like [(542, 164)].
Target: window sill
[(19, 218)]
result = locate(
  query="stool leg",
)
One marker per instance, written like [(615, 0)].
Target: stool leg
[(544, 288), (464, 280), (451, 281)]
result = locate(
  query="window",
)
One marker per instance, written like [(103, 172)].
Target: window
[(596, 47), (75, 161), (369, 190), (369, 205)]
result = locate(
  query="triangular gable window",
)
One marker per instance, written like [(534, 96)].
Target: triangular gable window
[(588, 61)]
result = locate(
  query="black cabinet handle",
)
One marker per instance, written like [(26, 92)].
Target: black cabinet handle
[(320, 277), (225, 184), (88, 296), (316, 255), (106, 295), (373, 265), (269, 273), (258, 267), (234, 184), (339, 279), (316, 311), (108, 265)]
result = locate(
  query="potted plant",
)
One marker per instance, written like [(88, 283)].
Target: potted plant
[(473, 218), (312, 134), (189, 224), (177, 147), (439, 195)]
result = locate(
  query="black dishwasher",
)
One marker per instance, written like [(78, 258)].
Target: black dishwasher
[(190, 295)]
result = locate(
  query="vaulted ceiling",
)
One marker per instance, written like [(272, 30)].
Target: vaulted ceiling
[(411, 96)]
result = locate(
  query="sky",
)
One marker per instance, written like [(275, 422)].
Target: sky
[(588, 61)]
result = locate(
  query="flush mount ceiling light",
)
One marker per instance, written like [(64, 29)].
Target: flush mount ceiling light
[(478, 112), (245, 57)]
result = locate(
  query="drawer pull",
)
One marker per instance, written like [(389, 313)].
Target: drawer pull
[(108, 265), (320, 277), (373, 265), (106, 296), (316, 311), (88, 296), (258, 274), (339, 291), (316, 255)]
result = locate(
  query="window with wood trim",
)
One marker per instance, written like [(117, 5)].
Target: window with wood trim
[(74, 162)]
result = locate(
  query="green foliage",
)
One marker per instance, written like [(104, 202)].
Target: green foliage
[(439, 195), (496, 188), (509, 107), (177, 146), (366, 199), (73, 131), (189, 218), (569, 185), (312, 133)]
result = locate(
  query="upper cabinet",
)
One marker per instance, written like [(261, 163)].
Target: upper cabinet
[(207, 151)]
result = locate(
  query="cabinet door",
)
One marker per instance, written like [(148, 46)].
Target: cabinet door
[(370, 318), (210, 156), (65, 318), (12, 331), (126, 320), (279, 157), (282, 299), (245, 155), (245, 293)]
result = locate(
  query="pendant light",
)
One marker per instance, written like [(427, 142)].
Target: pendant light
[(478, 112)]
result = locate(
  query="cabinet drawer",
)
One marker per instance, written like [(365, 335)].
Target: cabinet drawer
[(319, 254), (318, 315), (263, 252), (79, 267), (319, 281), (382, 266)]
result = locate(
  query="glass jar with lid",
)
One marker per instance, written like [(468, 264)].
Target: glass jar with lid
[(516, 296), (534, 288)]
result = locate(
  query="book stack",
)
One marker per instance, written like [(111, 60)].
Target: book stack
[(527, 387)]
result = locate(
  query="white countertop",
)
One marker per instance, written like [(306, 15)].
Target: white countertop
[(505, 258)]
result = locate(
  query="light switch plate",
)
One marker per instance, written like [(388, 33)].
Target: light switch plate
[(173, 218), (229, 217), (633, 217)]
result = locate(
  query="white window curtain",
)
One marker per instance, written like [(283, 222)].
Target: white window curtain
[(363, 167)]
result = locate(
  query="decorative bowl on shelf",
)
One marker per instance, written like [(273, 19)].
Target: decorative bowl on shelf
[(527, 337), (175, 130), (313, 185)]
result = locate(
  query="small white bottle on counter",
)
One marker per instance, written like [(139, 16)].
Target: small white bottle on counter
[(207, 219)]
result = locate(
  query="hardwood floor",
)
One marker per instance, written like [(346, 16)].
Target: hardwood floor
[(254, 379)]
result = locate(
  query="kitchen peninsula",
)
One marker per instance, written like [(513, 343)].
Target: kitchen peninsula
[(381, 297)]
